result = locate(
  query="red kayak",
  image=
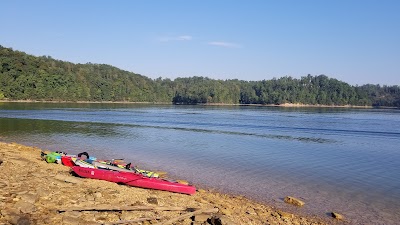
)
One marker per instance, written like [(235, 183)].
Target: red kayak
[(133, 179), (67, 161)]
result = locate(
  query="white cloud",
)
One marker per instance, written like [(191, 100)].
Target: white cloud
[(178, 38), (184, 38), (224, 44)]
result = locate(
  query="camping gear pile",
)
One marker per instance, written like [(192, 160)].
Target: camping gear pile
[(117, 171)]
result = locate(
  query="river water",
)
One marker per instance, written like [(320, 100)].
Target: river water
[(343, 160)]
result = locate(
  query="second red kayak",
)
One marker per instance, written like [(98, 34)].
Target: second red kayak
[(133, 179)]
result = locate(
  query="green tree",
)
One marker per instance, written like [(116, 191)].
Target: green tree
[(24, 76)]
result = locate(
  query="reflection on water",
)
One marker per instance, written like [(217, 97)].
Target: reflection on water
[(342, 160), (52, 127)]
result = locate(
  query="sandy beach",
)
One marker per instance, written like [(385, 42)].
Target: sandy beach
[(35, 192)]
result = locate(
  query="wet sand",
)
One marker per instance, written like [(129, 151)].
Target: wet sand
[(33, 191)]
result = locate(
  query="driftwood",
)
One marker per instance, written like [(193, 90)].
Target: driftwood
[(188, 215), (124, 208), (145, 208), (130, 221), (68, 179)]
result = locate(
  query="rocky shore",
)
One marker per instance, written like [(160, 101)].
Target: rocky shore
[(35, 192)]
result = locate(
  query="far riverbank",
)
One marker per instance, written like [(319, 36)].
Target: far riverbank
[(293, 105)]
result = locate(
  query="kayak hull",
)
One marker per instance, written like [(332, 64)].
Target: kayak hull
[(133, 179), (67, 161)]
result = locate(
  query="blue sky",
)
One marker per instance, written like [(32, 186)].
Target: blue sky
[(356, 41)]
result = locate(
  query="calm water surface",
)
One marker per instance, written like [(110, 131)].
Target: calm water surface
[(344, 160)]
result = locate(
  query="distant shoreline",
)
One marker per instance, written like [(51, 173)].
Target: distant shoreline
[(85, 102), (298, 105), (286, 105)]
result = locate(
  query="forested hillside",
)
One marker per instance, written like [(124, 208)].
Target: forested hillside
[(27, 77)]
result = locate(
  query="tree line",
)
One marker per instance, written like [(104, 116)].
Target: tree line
[(27, 77)]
